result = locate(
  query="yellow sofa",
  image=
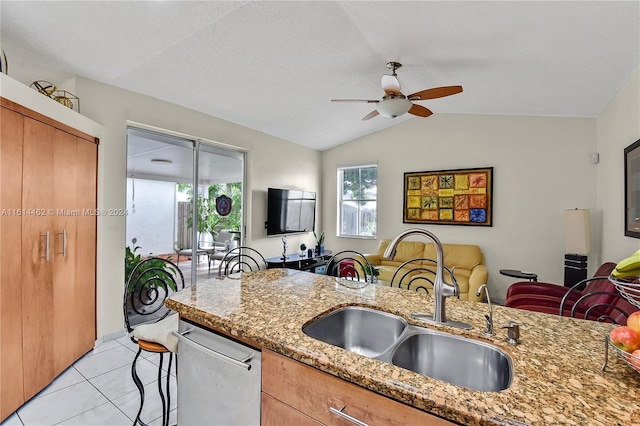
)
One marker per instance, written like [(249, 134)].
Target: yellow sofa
[(466, 260)]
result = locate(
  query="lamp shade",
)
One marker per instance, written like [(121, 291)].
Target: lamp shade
[(577, 231)]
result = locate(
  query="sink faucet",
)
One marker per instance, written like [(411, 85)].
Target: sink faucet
[(489, 330), (441, 288)]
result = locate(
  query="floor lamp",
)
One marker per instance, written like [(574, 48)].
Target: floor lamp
[(577, 236)]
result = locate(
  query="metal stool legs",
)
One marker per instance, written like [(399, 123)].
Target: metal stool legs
[(166, 404)]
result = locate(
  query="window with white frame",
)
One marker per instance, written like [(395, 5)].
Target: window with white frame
[(357, 201)]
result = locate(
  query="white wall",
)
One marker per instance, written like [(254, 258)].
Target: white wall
[(542, 166), (618, 126), (151, 213), (17, 92), (270, 162)]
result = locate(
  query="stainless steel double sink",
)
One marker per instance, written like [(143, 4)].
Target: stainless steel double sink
[(453, 359)]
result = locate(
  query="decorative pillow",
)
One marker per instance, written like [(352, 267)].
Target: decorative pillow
[(160, 332)]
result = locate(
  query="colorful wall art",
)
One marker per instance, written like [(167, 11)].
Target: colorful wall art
[(449, 197)]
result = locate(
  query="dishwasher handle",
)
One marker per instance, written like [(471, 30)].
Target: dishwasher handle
[(243, 363)]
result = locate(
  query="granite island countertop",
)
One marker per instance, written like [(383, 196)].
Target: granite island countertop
[(557, 377)]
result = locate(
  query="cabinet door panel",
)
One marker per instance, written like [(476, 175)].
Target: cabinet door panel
[(47, 251), (11, 381), (37, 272), (85, 246), (276, 413), (289, 381), (63, 250)]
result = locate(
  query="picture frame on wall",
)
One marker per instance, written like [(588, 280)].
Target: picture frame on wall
[(449, 197), (632, 190)]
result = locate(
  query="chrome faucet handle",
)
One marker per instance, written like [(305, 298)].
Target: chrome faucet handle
[(489, 330), (450, 289), (513, 332), (455, 282)]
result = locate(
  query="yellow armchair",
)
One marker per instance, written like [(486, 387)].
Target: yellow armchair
[(466, 261)]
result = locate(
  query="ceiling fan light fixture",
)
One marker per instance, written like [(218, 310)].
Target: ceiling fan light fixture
[(394, 103), (392, 107)]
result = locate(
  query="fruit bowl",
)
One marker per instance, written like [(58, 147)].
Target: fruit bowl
[(632, 360), (629, 288)]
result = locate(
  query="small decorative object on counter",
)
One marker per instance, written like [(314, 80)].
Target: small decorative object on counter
[(626, 341), (303, 248), (513, 332), (631, 358)]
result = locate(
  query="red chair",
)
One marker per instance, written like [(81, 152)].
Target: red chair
[(594, 299)]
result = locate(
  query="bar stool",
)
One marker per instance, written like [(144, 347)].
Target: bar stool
[(149, 323)]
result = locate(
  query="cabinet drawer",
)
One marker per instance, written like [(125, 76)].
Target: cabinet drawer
[(277, 413), (314, 393)]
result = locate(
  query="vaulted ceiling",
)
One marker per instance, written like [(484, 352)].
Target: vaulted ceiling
[(275, 66)]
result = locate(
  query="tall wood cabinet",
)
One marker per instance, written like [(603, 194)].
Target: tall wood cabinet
[(48, 184)]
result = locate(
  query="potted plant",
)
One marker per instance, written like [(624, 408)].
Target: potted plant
[(132, 259), (371, 272), (319, 243)]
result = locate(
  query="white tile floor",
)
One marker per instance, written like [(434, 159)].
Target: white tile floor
[(98, 390)]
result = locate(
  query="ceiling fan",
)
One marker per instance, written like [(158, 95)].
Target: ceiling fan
[(394, 103)]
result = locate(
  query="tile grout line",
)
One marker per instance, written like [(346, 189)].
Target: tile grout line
[(106, 397), (85, 379)]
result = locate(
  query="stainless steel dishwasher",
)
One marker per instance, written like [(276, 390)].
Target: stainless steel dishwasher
[(218, 379)]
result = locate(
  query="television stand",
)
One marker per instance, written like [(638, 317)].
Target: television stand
[(315, 263)]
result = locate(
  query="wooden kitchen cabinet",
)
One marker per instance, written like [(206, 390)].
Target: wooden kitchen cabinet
[(47, 251), (11, 380), (275, 412), (303, 392)]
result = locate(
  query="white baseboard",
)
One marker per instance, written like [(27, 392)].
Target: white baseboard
[(110, 336)]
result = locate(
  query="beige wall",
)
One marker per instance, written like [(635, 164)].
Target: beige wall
[(270, 162), (542, 166), (618, 126)]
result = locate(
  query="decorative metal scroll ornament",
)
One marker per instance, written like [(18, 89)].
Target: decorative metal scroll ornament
[(61, 96), (223, 205)]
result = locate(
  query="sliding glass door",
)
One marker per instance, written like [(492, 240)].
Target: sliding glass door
[(184, 199)]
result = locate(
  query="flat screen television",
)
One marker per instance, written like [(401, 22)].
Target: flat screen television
[(290, 211)]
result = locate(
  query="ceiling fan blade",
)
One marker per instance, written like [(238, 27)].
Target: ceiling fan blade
[(420, 111), (370, 115), (390, 84), (436, 92), (370, 101)]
